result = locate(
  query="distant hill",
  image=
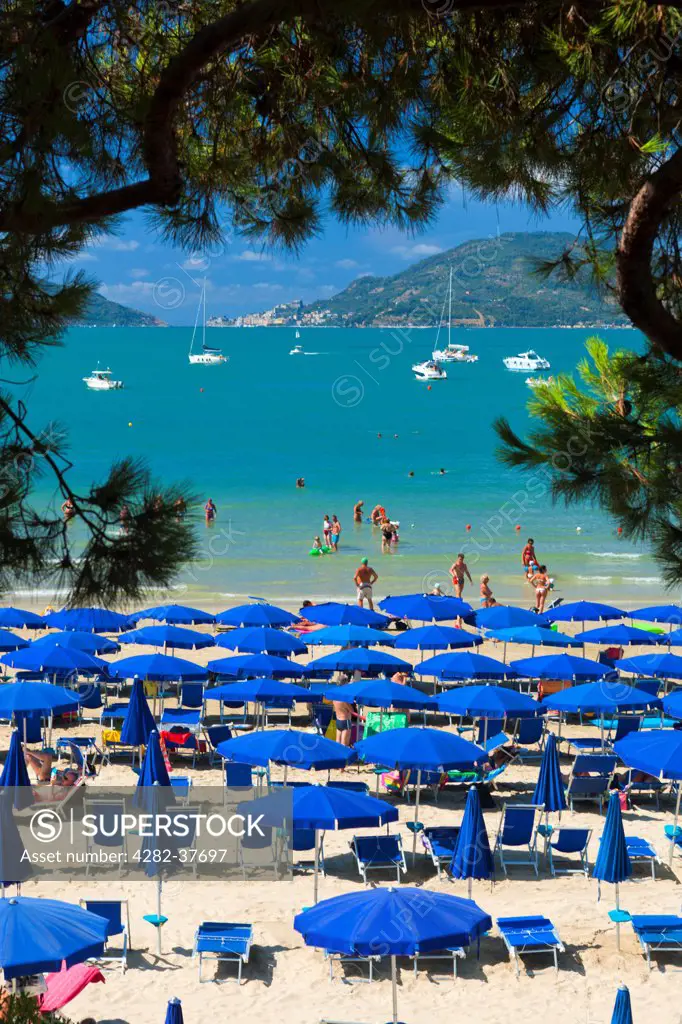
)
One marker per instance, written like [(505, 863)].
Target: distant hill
[(102, 312), (493, 284)]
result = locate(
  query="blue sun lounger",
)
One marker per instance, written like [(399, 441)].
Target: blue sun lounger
[(223, 941), (566, 841), (641, 851), (658, 933), (378, 853), (517, 831), (525, 935), (440, 842), (332, 957)]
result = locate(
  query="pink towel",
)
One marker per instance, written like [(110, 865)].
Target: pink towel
[(65, 985)]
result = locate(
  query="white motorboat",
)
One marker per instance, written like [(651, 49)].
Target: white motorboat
[(101, 380), (207, 356), (429, 370), (452, 352), (297, 350), (525, 362), (539, 382)]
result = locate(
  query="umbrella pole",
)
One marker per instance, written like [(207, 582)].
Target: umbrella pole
[(677, 813), (617, 919), (316, 876), (416, 818), (394, 987), (158, 914), (471, 885)]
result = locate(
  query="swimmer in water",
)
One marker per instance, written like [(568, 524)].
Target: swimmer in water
[(487, 599), (210, 511), (357, 511), (379, 436), (411, 473), (441, 472), (300, 482)]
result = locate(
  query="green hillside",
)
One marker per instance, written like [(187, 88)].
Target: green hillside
[(493, 283), (102, 312)]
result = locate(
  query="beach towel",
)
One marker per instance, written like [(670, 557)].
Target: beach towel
[(65, 985), (376, 721)]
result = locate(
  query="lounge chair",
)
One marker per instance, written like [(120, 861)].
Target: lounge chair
[(238, 776), (113, 913), (567, 841), (450, 956), (332, 957), (531, 731), (428, 782), (182, 787), (591, 777), (525, 935), (350, 787), (302, 840), (640, 851), (648, 787), (192, 695), (440, 843), (189, 718), (224, 941), (258, 843), (657, 933), (106, 810), (378, 853), (517, 830), (216, 734)]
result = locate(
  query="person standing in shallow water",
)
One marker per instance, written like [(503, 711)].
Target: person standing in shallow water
[(335, 533), (210, 511), (458, 570)]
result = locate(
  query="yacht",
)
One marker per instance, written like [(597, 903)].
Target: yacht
[(429, 370), (207, 356), (297, 350), (101, 380), (539, 382), (452, 353), (526, 361)]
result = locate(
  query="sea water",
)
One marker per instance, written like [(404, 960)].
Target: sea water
[(352, 420)]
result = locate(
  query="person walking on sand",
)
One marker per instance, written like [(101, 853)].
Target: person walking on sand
[(487, 599), (458, 570), (335, 533), (364, 579), (357, 511)]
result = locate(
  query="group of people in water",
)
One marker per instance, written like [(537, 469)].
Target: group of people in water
[(328, 543)]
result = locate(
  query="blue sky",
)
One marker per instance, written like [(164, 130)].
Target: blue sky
[(137, 269)]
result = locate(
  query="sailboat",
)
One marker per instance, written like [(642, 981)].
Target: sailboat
[(207, 356), (453, 352)]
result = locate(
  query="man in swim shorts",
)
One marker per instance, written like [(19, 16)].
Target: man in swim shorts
[(343, 714), (458, 570), (364, 579)]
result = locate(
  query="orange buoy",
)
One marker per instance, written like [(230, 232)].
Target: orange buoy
[(620, 529), (468, 526), (517, 528), (428, 388)]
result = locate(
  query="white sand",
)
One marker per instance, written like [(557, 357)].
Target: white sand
[(287, 983)]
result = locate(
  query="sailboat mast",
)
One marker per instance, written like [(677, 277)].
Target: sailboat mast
[(196, 323), (203, 327), (450, 308)]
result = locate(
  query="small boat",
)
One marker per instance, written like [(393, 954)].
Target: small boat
[(101, 380), (298, 335), (539, 382), (429, 370), (297, 350), (208, 356), (526, 361), (452, 353)]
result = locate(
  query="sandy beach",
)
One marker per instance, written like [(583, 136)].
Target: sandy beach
[(287, 982)]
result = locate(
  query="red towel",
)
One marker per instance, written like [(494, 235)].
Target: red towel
[(65, 985)]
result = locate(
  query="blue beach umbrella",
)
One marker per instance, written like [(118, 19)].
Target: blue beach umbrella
[(619, 635), (16, 698), (674, 638), (289, 747), (15, 867), (549, 790), (325, 808), (175, 614), (488, 702), (472, 857), (17, 618), (159, 850), (335, 613), (78, 640), (251, 666), (672, 704), (358, 659), (15, 774), (174, 1012), (536, 636), (350, 636), (602, 697), (153, 767), (613, 863), (261, 640), (90, 620), (381, 693), (256, 615), (55, 660), (158, 668), (259, 691), (657, 752), (622, 1010), (138, 723), (670, 613), (436, 638), (10, 641), (502, 616), (464, 666), (168, 636), (661, 666), (404, 920), (584, 611), (37, 935), (560, 666), (426, 607)]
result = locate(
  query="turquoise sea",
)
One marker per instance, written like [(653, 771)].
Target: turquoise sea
[(243, 432)]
